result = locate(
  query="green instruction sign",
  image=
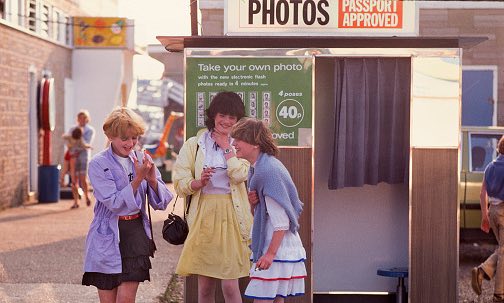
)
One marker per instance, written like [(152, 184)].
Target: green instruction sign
[(275, 90)]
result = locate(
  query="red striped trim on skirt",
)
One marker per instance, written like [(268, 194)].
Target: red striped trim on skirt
[(278, 279)]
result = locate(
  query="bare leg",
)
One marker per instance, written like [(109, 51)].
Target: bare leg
[(75, 183), (276, 300), (231, 291), (279, 300), (63, 172), (107, 296), (126, 292), (84, 183), (206, 289)]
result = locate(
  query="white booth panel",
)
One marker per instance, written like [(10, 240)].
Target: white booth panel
[(435, 122)]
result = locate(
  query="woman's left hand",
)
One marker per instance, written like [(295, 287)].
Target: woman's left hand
[(264, 262), (151, 175), (253, 198), (144, 169), (221, 139)]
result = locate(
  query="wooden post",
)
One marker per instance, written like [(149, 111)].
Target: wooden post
[(194, 17)]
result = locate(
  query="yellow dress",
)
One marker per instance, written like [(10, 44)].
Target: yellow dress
[(214, 246)]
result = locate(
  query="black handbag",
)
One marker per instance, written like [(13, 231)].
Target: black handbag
[(175, 228)]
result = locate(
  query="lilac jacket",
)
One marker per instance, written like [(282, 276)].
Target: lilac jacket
[(114, 198)]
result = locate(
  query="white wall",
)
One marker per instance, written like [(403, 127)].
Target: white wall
[(97, 77), (356, 230), (104, 8)]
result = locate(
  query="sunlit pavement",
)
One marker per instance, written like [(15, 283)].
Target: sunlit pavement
[(42, 248)]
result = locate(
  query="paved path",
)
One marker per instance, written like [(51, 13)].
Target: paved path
[(41, 255)]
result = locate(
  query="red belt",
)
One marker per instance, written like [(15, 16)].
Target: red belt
[(130, 217)]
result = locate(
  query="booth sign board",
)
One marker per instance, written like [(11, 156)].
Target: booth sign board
[(277, 90), (321, 17)]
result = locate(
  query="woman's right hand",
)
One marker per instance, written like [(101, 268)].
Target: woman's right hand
[(206, 174)]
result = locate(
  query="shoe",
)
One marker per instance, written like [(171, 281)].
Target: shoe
[(74, 206), (476, 279), (498, 298)]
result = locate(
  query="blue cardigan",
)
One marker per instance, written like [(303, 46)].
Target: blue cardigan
[(270, 178)]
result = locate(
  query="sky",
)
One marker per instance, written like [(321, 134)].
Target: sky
[(157, 18), (154, 18)]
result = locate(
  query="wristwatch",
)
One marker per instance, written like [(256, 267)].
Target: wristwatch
[(227, 151)]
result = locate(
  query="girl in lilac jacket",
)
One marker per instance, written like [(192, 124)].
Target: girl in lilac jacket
[(118, 242)]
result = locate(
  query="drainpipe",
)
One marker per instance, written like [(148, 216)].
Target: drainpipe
[(194, 17)]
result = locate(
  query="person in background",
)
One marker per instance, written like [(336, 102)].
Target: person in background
[(118, 244), (179, 140), (216, 248), (77, 150), (492, 216), (278, 255), (88, 133)]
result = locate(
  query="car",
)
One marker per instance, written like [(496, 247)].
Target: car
[(478, 148)]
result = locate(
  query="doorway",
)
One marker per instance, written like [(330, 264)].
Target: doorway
[(361, 227)]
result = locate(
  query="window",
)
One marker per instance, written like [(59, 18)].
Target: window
[(68, 30), (32, 15), (16, 8), (3, 11), (60, 26), (45, 13), (479, 96), (56, 25), (38, 17), (482, 150), (11, 11)]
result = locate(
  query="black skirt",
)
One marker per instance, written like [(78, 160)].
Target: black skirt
[(134, 248)]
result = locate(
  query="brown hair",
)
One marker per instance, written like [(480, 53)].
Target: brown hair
[(122, 119), (500, 146), (77, 133), (226, 103), (255, 132)]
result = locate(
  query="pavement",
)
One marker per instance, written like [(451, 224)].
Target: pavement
[(471, 254), (42, 247), (42, 251)]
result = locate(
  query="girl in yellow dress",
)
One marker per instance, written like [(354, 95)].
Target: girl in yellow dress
[(219, 216)]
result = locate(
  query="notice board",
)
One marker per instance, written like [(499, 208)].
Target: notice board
[(277, 90)]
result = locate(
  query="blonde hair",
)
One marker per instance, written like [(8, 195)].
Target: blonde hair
[(255, 132), (85, 113), (122, 119)]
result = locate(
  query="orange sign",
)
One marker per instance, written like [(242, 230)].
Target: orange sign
[(370, 14), (99, 32)]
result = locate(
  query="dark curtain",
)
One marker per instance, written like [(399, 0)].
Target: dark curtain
[(372, 109)]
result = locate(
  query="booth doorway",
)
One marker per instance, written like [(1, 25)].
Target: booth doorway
[(361, 190)]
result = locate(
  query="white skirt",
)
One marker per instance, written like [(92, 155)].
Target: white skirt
[(282, 279)]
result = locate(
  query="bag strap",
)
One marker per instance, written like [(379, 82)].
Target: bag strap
[(147, 205), (174, 203), (189, 203)]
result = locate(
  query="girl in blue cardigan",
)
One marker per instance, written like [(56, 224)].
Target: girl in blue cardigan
[(278, 256)]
